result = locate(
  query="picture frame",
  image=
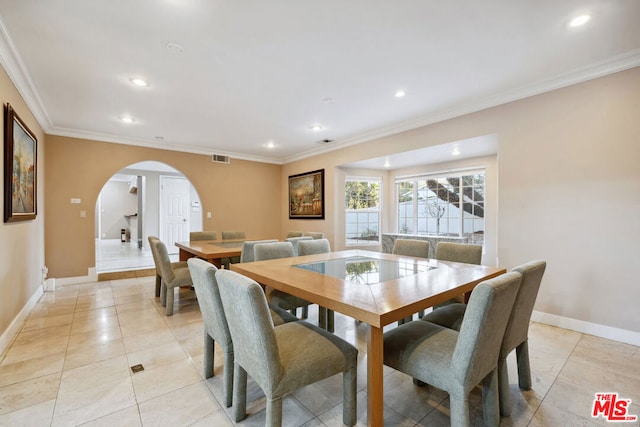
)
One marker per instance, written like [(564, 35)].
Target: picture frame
[(20, 168), (306, 195)]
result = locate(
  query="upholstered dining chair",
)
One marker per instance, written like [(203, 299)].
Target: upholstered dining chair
[(293, 234), (171, 277), (458, 252), (232, 235), (265, 251), (283, 359), (247, 249), (311, 247), (174, 265), (457, 362), (415, 248), (314, 234), (516, 335), (202, 235), (216, 328), (295, 240)]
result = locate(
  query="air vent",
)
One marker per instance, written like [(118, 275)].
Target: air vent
[(217, 158), (325, 141)]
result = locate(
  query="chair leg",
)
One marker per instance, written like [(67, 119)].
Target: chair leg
[(208, 355), (459, 408), (239, 393), (163, 293), (274, 412), (503, 388), (170, 293), (490, 404), (420, 314), (305, 312), (158, 285), (330, 321), (322, 317), (228, 376), (524, 369), (349, 398)]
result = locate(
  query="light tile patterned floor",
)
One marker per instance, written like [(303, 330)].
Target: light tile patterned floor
[(70, 365)]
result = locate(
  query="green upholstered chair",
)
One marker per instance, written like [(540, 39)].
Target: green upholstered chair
[(311, 247), (216, 328), (247, 249), (265, 251), (294, 241), (283, 359), (458, 361), (415, 248), (176, 264), (171, 277), (313, 234), (202, 235), (516, 335), (232, 235), (458, 252)]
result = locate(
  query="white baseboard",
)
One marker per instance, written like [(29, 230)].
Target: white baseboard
[(602, 331), (91, 276), (7, 336)]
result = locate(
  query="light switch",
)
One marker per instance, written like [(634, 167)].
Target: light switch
[(75, 201), (209, 216)]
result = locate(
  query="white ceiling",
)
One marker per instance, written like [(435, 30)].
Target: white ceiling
[(251, 72)]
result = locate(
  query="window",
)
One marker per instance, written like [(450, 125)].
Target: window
[(449, 204), (362, 210)]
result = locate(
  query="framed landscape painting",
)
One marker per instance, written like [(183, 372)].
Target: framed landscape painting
[(20, 166), (306, 195)]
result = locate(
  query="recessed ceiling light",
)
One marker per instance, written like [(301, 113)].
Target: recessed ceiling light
[(127, 119), (138, 82), (270, 145), (387, 164), (579, 20), (455, 152), (317, 127), (400, 93), (175, 47)]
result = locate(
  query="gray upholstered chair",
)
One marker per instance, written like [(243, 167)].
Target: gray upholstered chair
[(458, 252), (232, 235), (458, 361), (283, 359), (313, 234), (175, 264), (516, 335), (202, 235), (311, 247), (294, 241), (265, 251), (415, 248), (293, 234), (171, 277), (216, 328), (247, 249)]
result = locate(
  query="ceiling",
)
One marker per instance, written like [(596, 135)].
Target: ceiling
[(229, 77)]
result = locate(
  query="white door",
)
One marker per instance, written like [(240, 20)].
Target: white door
[(174, 211)]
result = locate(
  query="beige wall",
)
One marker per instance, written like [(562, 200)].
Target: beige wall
[(242, 195), (568, 191), (21, 243)]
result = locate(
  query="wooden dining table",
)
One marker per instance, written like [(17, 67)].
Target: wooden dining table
[(211, 250), (372, 287)]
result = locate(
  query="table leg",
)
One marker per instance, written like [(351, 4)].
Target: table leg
[(375, 386), (184, 255)]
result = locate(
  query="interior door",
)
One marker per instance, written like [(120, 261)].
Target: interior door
[(174, 211)]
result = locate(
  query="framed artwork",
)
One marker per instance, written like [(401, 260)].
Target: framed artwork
[(20, 166), (306, 195)]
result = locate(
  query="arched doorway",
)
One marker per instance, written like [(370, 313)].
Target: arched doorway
[(128, 210)]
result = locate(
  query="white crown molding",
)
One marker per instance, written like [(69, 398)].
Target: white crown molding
[(16, 70)]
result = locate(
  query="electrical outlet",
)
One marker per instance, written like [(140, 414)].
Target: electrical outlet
[(209, 216)]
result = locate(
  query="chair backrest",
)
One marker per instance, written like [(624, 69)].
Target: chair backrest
[(164, 262), (203, 275), (202, 235), (411, 247), (313, 234), (294, 241), (459, 252), (247, 249), (265, 251), (154, 253), (233, 235), (251, 327), (310, 247), (518, 327), (482, 329), (294, 234)]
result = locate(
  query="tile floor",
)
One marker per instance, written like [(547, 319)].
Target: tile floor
[(70, 365), (112, 255)]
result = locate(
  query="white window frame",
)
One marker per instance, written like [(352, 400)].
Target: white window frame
[(378, 210)]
